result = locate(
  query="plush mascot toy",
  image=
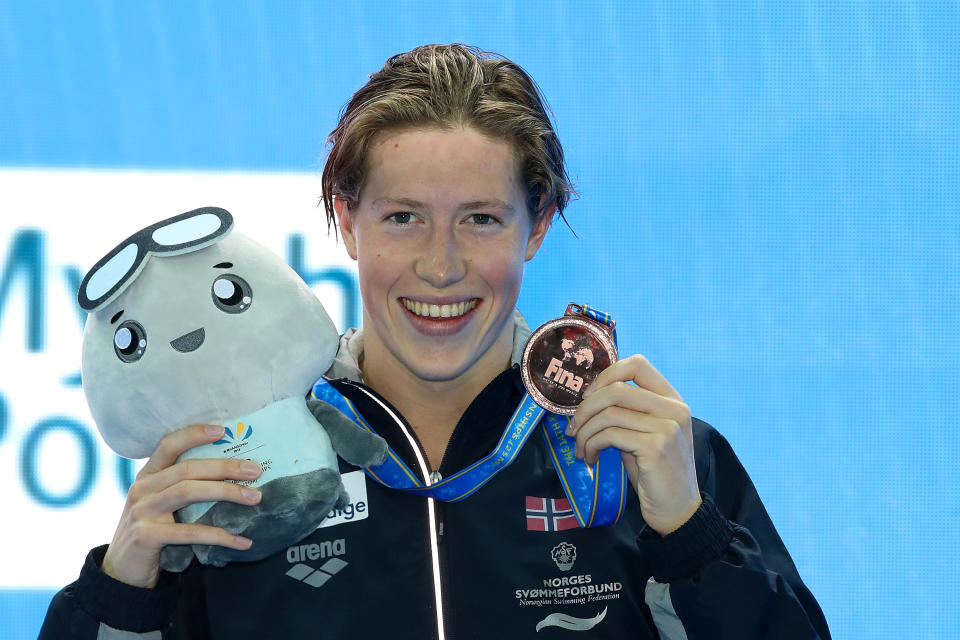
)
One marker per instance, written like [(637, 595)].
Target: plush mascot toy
[(191, 324)]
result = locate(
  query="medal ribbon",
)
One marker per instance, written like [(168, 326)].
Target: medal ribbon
[(602, 317), (597, 493), (394, 473)]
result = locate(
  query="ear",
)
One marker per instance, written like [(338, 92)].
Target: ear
[(345, 222), (539, 232)]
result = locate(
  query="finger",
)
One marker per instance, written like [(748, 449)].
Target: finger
[(632, 397), (626, 440), (192, 492), (176, 442), (618, 417), (158, 535), (638, 369), (196, 469)]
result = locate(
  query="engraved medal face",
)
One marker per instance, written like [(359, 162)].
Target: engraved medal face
[(562, 358)]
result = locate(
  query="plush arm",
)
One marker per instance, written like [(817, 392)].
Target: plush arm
[(354, 444)]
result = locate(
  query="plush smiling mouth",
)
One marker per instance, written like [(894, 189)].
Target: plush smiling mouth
[(427, 310), (189, 341)]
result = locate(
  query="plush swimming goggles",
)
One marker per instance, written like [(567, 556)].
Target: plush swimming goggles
[(190, 231)]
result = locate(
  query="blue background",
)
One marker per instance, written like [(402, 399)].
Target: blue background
[(769, 209)]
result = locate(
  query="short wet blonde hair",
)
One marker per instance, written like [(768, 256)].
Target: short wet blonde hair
[(450, 86)]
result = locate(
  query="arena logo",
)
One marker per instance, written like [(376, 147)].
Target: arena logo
[(316, 551), (316, 577)]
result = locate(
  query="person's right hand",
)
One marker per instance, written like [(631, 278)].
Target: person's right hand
[(165, 485)]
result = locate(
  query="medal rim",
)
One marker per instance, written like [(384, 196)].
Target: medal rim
[(592, 327)]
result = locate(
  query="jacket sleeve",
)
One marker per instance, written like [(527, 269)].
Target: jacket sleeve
[(726, 573), (98, 607)]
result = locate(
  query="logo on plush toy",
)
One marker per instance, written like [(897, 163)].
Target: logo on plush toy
[(229, 438)]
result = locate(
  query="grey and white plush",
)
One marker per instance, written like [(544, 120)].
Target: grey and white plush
[(227, 334)]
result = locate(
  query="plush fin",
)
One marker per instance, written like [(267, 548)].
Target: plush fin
[(354, 444), (175, 558)]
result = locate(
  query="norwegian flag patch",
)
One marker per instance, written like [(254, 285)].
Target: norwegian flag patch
[(550, 514)]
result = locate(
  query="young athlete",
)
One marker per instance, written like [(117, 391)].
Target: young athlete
[(444, 176)]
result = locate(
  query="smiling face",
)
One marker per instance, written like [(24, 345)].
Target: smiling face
[(440, 234)]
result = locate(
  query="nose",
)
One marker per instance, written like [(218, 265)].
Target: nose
[(442, 261)]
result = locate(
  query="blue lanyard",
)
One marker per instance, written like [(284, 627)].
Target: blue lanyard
[(394, 473), (597, 493)]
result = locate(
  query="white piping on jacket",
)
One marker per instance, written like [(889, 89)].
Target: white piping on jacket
[(431, 511), (669, 625)]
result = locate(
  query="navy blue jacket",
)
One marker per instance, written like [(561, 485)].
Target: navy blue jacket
[(380, 571)]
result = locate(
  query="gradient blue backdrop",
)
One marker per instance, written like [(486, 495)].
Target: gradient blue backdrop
[(769, 208)]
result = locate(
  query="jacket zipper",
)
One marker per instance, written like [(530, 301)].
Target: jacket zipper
[(430, 477)]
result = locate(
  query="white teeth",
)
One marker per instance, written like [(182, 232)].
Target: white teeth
[(426, 310)]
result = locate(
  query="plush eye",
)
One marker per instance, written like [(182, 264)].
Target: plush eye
[(130, 341), (231, 294)]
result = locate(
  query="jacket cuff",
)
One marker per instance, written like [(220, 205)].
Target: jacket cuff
[(121, 605), (681, 553)]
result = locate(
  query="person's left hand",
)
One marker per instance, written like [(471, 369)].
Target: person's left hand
[(650, 424)]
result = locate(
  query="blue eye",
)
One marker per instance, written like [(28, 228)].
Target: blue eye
[(482, 218), (403, 217)]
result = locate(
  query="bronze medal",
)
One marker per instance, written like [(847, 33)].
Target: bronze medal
[(563, 357)]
